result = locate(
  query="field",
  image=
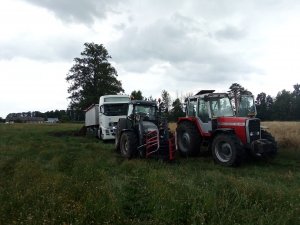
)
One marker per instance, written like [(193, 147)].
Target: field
[(49, 175)]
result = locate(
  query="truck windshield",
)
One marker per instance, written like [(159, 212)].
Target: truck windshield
[(221, 106), (246, 106), (115, 109)]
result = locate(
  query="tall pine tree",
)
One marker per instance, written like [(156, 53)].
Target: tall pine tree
[(91, 77)]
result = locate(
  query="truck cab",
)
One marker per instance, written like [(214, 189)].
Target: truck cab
[(111, 109)]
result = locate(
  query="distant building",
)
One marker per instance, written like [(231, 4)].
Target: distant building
[(23, 119), (52, 120)]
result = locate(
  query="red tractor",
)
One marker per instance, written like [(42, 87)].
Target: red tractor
[(210, 121)]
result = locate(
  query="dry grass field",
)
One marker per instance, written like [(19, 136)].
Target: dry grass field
[(287, 134)]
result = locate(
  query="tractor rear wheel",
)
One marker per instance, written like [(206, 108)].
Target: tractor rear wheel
[(128, 144), (188, 139), (271, 154), (227, 150)]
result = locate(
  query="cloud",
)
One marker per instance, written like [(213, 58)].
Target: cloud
[(78, 10), (54, 49), (230, 33), (188, 45)]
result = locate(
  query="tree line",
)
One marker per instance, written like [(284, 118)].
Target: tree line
[(68, 115), (284, 107)]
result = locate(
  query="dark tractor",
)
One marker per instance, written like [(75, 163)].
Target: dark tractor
[(211, 122), (144, 132)]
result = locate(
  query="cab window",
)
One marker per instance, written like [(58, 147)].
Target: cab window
[(192, 107), (203, 111)]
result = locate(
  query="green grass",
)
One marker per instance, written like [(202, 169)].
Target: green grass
[(50, 176)]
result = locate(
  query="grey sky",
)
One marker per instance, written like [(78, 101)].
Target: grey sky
[(180, 46)]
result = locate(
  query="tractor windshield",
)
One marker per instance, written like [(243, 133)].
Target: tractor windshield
[(147, 110), (221, 106), (246, 106)]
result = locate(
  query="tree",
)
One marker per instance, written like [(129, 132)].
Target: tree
[(91, 77), (264, 105), (296, 102), (235, 91), (166, 100), (177, 110), (137, 95), (283, 105)]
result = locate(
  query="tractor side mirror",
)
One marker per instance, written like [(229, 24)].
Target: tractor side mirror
[(130, 117)]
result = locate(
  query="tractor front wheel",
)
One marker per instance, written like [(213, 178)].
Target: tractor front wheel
[(128, 144), (227, 150)]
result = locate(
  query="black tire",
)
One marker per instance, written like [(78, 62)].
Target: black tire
[(128, 144), (266, 135), (188, 139), (227, 150), (122, 124)]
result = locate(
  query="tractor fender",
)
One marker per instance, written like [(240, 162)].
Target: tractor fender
[(224, 131), (123, 125), (194, 121)]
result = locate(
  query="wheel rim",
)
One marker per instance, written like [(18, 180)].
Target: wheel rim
[(185, 141), (125, 147), (223, 151)]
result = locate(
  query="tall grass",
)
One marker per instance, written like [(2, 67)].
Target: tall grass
[(287, 134), (48, 175)]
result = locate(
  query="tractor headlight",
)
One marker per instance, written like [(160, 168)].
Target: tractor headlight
[(253, 133)]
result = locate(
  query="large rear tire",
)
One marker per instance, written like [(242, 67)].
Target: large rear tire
[(128, 144), (188, 139), (227, 150)]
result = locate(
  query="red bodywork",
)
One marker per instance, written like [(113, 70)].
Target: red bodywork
[(238, 124), (152, 145)]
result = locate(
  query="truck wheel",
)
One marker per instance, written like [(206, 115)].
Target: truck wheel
[(128, 144), (188, 139), (266, 135), (227, 150)]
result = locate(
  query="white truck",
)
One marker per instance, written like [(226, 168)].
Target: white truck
[(102, 119)]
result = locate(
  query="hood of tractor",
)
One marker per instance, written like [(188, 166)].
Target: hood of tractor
[(238, 124), (148, 126), (231, 122)]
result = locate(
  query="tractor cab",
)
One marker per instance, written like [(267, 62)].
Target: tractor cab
[(142, 110), (206, 107), (246, 106)]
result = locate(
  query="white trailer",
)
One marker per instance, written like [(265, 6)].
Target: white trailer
[(92, 115), (102, 119)]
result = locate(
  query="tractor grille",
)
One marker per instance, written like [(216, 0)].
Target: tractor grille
[(253, 130)]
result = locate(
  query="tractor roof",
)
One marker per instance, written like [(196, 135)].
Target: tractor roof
[(205, 92), (143, 102), (208, 93)]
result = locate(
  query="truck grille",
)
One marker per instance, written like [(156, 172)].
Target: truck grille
[(253, 130)]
